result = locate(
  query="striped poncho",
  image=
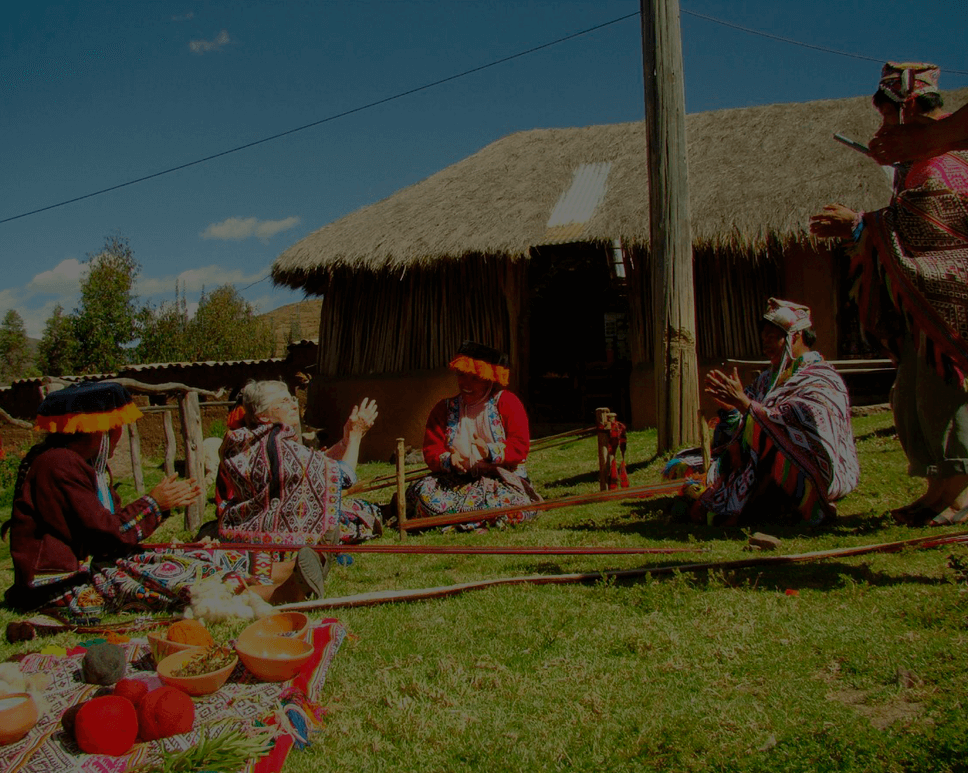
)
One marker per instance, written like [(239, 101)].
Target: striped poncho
[(796, 434)]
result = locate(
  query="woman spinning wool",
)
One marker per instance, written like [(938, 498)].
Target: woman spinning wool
[(74, 547), (276, 490), (476, 443)]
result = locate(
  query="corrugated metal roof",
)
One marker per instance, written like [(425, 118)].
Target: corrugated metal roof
[(576, 205)]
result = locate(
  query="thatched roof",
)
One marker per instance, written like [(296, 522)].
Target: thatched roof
[(755, 174)]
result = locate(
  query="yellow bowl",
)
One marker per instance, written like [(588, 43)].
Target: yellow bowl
[(289, 625), (18, 714), (273, 658), (202, 684), (162, 647)]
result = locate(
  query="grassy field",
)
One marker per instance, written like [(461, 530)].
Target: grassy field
[(854, 664)]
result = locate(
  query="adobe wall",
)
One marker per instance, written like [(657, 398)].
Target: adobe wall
[(404, 402)]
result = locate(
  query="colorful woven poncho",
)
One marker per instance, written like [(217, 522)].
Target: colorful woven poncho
[(910, 264), (796, 433)]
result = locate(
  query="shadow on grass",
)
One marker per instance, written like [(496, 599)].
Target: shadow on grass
[(824, 575), (889, 431), (592, 477), (820, 575)]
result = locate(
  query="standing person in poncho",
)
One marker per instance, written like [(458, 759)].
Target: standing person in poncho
[(910, 262), (784, 444), (476, 443)]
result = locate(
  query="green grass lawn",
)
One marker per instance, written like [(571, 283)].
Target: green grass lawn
[(862, 669)]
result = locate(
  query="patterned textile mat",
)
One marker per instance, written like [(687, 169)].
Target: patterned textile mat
[(48, 749)]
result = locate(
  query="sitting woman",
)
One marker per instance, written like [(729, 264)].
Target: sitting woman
[(74, 548), (277, 490), (476, 444)]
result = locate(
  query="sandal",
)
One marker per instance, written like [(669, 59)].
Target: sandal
[(948, 518), (311, 570)]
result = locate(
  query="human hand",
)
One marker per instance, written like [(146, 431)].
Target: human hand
[(903, 142), (172, 492), (481, 447), (835, 222), (458, 461), (727, 390), (362, 418)]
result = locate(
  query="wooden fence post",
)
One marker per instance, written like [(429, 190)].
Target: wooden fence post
[(134, 440), (191, 421), (401, 459), (170, 447), (601, 423)]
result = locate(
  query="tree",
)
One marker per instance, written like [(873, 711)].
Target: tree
[(14, 348), (164, 332), (57, 350), (105, 323), (225, 327)]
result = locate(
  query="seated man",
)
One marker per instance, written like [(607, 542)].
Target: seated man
[(276, 490), (784, 443)]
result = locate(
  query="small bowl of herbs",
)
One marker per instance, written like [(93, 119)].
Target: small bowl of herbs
[(198, 671)]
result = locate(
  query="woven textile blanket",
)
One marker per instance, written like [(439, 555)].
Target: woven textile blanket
[(48, 749)]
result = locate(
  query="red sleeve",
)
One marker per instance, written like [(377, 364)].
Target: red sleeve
[(66, 485), (435, 451), (516, 429)]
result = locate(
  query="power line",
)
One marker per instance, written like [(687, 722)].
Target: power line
[(433, 84), (782, 39), (345, 113)]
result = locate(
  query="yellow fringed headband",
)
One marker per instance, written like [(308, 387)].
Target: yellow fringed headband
[(482, 361)]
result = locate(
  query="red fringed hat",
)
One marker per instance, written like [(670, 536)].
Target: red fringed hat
[(483, 361), (94, 406)]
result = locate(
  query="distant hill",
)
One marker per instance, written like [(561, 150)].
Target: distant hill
[(294, 321)]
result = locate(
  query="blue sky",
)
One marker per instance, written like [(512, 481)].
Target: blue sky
[(95, 94)]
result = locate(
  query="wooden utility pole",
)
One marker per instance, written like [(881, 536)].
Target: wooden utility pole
[(673, 306)]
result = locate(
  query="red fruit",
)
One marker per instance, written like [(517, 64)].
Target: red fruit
[(163, 712), (107, 725), (132, 689)]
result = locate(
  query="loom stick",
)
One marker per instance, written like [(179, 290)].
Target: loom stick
[(420, 594), (509, 550), (636, 492)]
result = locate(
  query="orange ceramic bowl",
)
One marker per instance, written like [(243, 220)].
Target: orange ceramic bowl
[(290, 625), (203, 684), (18, 714), (161, 647), (273, 658)]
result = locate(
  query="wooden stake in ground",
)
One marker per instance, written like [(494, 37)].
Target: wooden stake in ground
[(601, 422), (191, 418), (401, 459), (675, 363)]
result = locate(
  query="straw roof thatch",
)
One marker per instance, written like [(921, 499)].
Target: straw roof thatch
[(755, 175)]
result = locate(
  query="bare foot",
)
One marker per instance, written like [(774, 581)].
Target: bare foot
[(930, 502)]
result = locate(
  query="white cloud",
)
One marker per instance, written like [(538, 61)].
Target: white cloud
[(194, 279), (64, 279), (204, 46), (239, 228)]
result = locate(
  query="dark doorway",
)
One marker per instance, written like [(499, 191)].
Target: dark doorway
[(578, 319)]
